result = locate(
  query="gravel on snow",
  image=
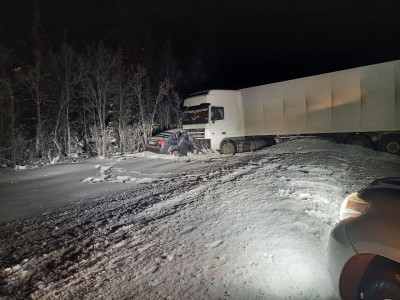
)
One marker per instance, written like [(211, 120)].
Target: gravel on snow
[(251, 226)]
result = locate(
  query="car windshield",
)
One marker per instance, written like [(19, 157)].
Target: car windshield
[(195, 115)]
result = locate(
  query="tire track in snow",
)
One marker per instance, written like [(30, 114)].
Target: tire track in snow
[(37, 253)]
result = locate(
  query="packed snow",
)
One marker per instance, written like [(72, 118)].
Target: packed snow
[(248, 226), (36, 190)]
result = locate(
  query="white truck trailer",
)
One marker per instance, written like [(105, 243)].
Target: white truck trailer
[(358, 106)]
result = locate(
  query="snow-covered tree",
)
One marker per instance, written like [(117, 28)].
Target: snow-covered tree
[(98, 87)]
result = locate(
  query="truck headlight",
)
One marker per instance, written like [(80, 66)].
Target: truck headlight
[(353, 206)]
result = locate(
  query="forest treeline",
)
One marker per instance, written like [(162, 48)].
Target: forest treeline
[(61, 104)]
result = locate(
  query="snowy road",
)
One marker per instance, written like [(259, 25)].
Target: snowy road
[(251, 226), (29, 193)]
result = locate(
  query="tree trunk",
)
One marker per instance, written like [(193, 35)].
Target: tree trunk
[(121, 122), (67, 100), (38, 129), (104, 131), (60, 109), (14, 144)]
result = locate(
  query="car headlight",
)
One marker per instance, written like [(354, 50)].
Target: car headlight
[(353, 206)]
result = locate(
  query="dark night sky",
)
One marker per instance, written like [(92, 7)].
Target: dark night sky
[(244, 43)]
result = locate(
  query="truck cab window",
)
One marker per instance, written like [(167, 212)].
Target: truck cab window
[(217, 113), (196, 115)]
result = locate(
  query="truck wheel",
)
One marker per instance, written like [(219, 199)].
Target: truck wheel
[(360, 140), (390, 143), (228, 148)]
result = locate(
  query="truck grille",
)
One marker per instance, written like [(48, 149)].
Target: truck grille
[(197, 133)]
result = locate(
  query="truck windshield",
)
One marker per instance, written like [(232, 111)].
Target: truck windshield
[(195, 115)]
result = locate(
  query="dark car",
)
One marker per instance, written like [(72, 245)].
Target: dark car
[(364, 248), (175, 141)]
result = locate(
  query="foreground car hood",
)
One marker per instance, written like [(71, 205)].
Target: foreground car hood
[(377, 230)]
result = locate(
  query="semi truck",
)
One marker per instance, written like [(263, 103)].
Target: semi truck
[(357, 106)]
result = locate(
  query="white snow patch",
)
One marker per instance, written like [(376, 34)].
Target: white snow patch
[(146, 180), (18, 167), (214, 244), (89, 179), (124, 178)]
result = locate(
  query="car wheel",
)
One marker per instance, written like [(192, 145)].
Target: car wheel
[(383, 288), (175, 152), (390, 143), (383, 283), (228, 148)]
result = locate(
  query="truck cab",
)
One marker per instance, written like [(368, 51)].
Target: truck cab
[(216, 119), (213, 116)]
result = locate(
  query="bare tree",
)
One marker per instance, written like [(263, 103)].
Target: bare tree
[(147, 106), (169, 109), (169, 112), (67, 73), (123, 103), (169, 68), (98, 87), (12, 140), (34, 77), (7, 106)]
